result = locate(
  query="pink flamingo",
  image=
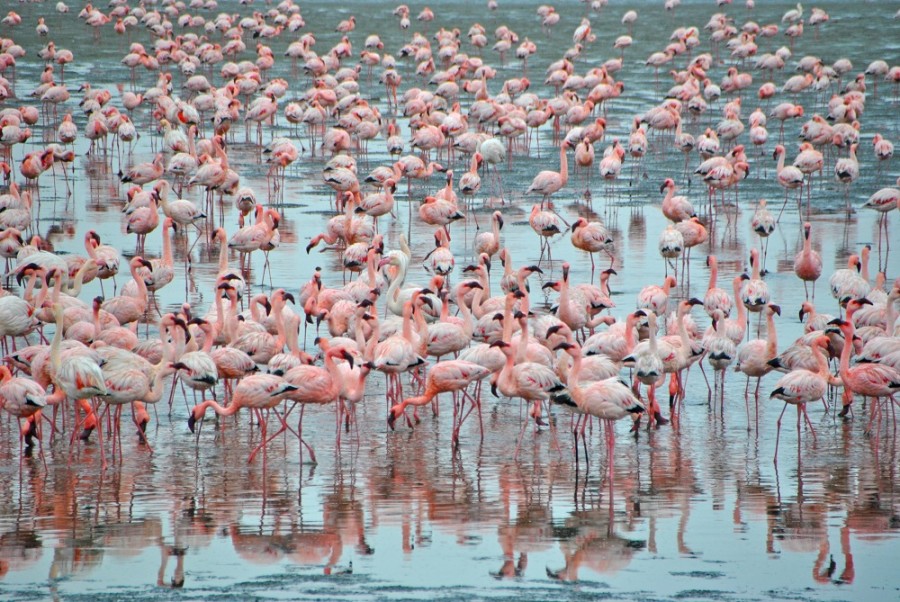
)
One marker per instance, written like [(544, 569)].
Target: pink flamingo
[(800, 387), (257, 392), (23, 398), (675, 208), (592, 237), (547, 182), (868, 379), (808, 263), (789, 177), (753, 357), (608, 400), (450, 376)]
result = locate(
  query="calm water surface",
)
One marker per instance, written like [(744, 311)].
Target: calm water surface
[(699, 511)]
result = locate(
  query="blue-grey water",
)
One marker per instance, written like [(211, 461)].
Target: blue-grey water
[(699, 511)]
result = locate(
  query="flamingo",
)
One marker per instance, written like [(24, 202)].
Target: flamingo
[(529, 381), (546, 224), (257, 392), (716, 299), (23, 398), (592, 237), (547, 183), (869, 379), (763, 223), (800, 387), (451, 376), (489, 242), (808, 262), (608, 400), (753, 357), (675, 208), (789, 177), (755, 291)]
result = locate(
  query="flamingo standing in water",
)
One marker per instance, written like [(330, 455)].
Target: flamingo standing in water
[(753, 358), (546, 224), (547, 182), (609, 400), (800, 387), (592, 237), (808, 263), (789, 177), (23, 398), (258, 392), (868, 379), (450, 376)]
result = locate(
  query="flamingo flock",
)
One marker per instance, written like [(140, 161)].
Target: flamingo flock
[(437, 322)]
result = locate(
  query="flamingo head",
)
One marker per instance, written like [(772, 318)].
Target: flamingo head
[(553, 285)]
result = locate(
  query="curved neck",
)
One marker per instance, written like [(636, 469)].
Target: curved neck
[(233, 407), (771, 336), (846, 351), (209, 336), (139, 281), (523, 340), (507, 320), (373, 340), (75, 289), (741, 310), (156, 384), (629, 332)]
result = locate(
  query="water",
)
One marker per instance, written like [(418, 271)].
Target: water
[(699, 511)]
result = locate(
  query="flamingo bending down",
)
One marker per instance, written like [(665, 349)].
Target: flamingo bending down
[(257, 392), (446, 377)]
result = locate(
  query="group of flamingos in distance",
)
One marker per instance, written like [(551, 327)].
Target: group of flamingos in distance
[(245, 350)]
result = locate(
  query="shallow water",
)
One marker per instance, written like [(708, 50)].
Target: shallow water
[(699, 510)]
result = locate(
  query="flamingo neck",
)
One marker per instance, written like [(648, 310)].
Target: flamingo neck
[(468, 323), (208, 338), (771, 336), (576, 392), (223, 255), (141, 285), (563, 165), (629, 332)]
